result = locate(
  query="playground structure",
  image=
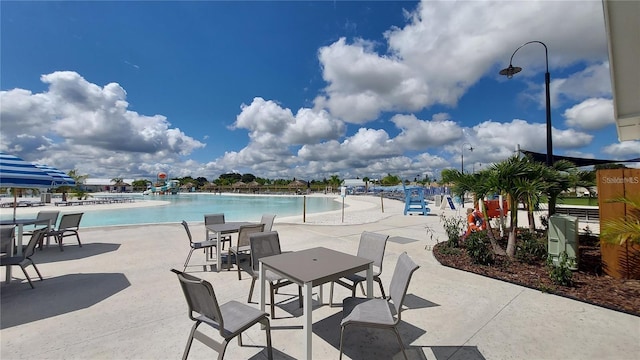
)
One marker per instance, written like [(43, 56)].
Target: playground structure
[(414, 201), (162, 186)]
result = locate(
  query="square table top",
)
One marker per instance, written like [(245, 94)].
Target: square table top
[(22, 221), (317, 265), (227, 227)]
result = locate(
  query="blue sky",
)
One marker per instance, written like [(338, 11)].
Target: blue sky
[(300, 89)]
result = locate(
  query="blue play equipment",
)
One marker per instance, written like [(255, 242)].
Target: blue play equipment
[(414, 201)]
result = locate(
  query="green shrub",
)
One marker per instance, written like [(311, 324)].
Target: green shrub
[(453, 226), (479, 248), (530, 248), (561, 274), (448, 249)]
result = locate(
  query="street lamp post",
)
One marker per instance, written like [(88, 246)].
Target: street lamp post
[(462, 165), (512, 70), (462, 156)]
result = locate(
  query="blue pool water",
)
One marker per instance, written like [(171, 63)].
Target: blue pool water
[(192, 207)]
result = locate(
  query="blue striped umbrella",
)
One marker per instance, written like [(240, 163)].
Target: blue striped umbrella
[(17, 173), (59, 177)]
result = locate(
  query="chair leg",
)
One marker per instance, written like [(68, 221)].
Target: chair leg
[(400, 342), (341, 339), (60, 242), (224, 348), (27, 276), (381, 288), (238, 265), (267, 327), (187, 261), (273, 305), (362, 288), (229, 260), (78, 237), (35, 267), (253, 283), (190, 340), (300, 298)]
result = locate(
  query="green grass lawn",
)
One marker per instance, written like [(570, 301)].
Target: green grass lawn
[(586, 201)]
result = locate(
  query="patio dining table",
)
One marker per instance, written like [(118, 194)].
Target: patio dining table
[(223, 229), (309, 268)]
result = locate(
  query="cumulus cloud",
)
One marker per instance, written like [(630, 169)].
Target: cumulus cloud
[(266, 120), (82, 118), (445, 48), (593, 81), (430, 62), (591, 114), (624, 150), (417, 134), (530, 136)]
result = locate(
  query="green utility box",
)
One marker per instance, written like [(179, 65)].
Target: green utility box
[(563, 236)]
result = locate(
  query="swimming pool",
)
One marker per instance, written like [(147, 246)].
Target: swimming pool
[(193, 207)]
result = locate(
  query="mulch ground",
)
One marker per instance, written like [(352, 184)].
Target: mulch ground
[(590, 285)]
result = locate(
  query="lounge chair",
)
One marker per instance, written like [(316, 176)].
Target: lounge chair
[(243, 245), (51, 216), (230, 319), (267, 244), (69, 226), (25, 260), (377, 313), (372, 246)]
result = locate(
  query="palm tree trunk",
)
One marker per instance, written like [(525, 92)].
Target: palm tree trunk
[(531, 218), (511, 242), (497, 249)]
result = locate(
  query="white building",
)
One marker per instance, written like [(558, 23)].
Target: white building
[(106, 185)]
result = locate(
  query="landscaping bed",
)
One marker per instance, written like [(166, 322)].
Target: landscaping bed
[(590, 285)]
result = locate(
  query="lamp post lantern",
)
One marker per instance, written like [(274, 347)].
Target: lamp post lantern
[(512, 70), (470, 148)]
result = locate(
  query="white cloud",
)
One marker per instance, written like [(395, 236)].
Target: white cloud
[(447, 47), (92, 126), (591, 114), (624, 150), (417, 134), (266, 120), (503, 137), (431, 62)]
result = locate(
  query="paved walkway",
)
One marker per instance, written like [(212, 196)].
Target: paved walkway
[(115, 298)]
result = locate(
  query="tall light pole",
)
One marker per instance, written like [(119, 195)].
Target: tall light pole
[(462, 156), (512, 70)]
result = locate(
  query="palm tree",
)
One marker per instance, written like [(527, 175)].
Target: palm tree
[(623, 230), (79, 179), (366, 184), (557, 181), (509, 174), (481, 184), (335, 181)]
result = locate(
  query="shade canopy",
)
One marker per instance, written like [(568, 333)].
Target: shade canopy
[(59, 177), (622, 21), (579, 162), (17, 173)]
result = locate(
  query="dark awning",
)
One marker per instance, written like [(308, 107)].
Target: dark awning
[(579, 162)]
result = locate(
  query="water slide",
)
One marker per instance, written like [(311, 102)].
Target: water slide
[(170, 187)]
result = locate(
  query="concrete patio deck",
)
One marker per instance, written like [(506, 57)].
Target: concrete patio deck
[(115, 298)]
